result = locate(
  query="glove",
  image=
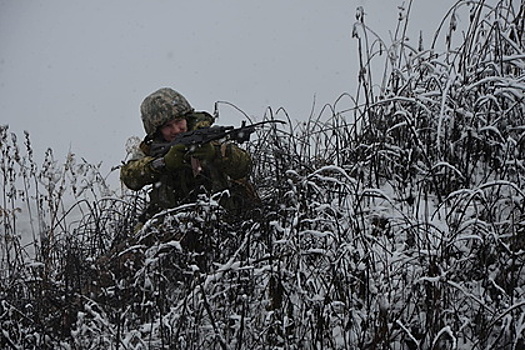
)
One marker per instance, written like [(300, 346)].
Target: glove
[(174, 159), (204, 152)]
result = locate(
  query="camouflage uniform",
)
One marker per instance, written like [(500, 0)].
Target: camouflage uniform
[(228, 170)]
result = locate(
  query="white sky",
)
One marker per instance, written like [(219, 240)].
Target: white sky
[(73, 72)]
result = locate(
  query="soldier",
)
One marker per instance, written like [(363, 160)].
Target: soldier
[(178, 176), (183, 173)]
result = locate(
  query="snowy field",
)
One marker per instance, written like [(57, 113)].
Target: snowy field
[(394, 219)]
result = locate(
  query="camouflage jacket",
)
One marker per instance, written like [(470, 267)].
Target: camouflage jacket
[(227, 171)]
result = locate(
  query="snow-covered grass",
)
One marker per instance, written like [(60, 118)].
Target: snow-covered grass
[(394, 219)]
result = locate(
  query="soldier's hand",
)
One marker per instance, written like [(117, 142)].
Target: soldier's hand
[(203, 152), (174, 159)]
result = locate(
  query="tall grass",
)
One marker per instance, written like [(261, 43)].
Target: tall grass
[(397, 223)]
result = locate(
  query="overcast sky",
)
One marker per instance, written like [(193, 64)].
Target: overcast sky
[(74, 72)]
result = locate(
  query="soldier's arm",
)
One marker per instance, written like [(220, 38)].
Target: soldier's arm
[(138, 173), (234, 161)]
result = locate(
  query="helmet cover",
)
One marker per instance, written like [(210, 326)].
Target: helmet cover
[(162, 106)]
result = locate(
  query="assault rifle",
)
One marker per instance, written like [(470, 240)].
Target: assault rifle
[(211, 133)]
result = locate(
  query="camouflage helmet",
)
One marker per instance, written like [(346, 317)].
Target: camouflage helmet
[(162, 106)]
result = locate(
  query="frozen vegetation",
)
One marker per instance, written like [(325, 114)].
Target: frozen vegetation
[(393, 219)]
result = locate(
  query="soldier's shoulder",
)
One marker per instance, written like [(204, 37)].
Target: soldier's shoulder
[(199, 119), (135, 149)]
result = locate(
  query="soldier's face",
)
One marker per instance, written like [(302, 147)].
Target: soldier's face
[(171, 129)]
